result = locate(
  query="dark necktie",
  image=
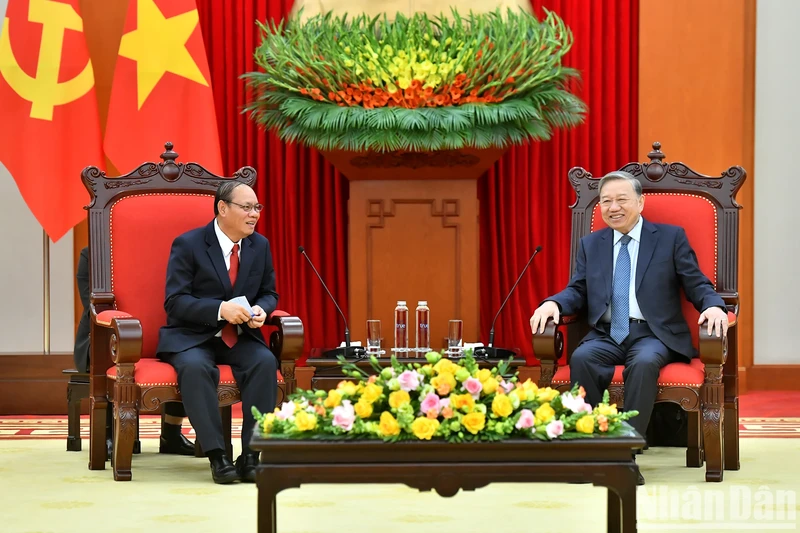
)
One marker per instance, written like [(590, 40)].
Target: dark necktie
[(620, 302), (229, 333)]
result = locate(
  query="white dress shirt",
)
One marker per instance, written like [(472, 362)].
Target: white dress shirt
[(227, 248), (633, 251)]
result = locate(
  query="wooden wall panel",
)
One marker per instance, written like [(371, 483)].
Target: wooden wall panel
[(396, 226), (696, 97), (32, 383)]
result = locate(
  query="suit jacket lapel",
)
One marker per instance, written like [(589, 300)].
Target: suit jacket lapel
[(607, 260), (215, 254), (245, 261), (649, 241)]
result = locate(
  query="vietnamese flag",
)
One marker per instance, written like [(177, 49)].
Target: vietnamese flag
[(161, 90), (49, 123)]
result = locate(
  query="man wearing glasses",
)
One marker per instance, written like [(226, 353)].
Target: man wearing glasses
[(208, 268)]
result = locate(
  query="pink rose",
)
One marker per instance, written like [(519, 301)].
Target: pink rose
[(554, 428), (506, 386), (430, 403), (575, 403), (525, 419), (287, 410), (473, 386), (344, 415), (409, 381), (444, 402)]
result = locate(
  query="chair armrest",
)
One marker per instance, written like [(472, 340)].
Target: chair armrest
[(124, 333), (549, 345), (713, 349), (287, 341)]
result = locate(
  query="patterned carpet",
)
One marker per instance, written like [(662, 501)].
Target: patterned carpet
[(55, 427)]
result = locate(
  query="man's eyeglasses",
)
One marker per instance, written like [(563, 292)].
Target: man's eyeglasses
[(248, 208)]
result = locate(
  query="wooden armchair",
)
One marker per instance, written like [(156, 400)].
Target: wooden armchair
[(133, 220), (705, 207)]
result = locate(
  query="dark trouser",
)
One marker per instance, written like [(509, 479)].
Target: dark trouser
[(255, 370), (592, 366), (174, 409)]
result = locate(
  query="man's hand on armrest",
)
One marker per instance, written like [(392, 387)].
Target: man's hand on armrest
[(539, 319), (717, 320)]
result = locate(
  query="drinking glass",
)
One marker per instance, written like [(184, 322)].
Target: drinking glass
[(455, 334), (373, 336)]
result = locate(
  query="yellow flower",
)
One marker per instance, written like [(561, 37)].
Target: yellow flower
[(446, 366), (371, 393), (363, 409), (347, 388), (585, 424), (546, 395), (489, 386), (474, 422), (444, 383), (334, 399), (544, 413), (403, 82), (305, 421), (501, 406), (605, 409), (462, 401), (269, 419), (388, 426), (398, 399), (519, 393), (483, 374), (424, 428)]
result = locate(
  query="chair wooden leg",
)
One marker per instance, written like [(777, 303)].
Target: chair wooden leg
[(97, 433), (713, 423), (73, 417), (137, 444), (694, 450), (126, 416), (198, 451), (227, 422), (731, 430)]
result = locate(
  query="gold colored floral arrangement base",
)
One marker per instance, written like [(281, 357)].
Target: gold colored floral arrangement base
[(452, 400)]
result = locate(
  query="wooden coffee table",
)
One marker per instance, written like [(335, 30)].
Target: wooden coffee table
[(447, 468)]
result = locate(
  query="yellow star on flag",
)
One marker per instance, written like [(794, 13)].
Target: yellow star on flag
[(158, 45)]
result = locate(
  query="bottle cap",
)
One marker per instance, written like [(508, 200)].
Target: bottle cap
[(423, 303), (401, 302)]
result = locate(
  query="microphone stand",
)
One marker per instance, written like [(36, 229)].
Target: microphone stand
[(349, 352), (484, 354)]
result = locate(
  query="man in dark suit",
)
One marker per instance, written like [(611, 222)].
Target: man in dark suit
[(171, 440), (208, 267), (627, 280)]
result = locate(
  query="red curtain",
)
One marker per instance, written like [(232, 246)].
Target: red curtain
[(524, 199)]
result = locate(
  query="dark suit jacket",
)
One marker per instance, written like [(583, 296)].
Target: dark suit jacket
[(80, 353), (666, 263), (198, 282)]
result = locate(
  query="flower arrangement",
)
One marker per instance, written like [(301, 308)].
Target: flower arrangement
[(414, 83), (452, 400)]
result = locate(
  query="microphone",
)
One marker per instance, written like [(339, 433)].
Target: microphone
[(491, 331), (354, 351)]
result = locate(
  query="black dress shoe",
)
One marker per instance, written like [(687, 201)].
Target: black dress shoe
[(246, 466), (176, 445), (223, 471)]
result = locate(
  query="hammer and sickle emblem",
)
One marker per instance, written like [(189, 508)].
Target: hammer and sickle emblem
[(44, 91)]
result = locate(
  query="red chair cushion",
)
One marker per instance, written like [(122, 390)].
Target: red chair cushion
[(674, 374), (151, 372), (698, 217)]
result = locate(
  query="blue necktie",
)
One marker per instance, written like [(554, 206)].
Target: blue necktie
[(620, 303)]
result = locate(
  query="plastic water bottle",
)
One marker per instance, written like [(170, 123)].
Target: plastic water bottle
[(401, 327), (423, 328)]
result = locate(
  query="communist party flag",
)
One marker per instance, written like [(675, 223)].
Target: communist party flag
[(48, 111), (161, 90)]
